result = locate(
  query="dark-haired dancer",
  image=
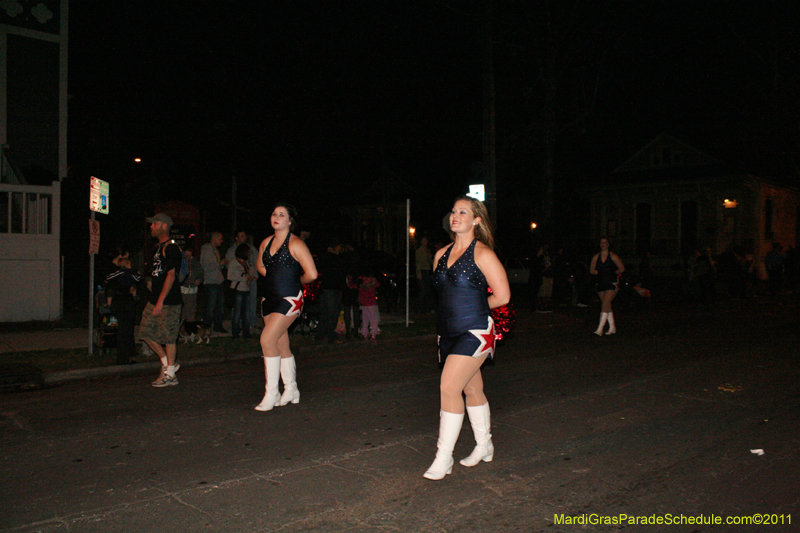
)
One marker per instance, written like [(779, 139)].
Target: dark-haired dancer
[(464, 270), (286, 263), (607, 266)]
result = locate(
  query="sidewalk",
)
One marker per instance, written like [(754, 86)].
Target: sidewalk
[(57, 339), (14, 375), (70, 338)]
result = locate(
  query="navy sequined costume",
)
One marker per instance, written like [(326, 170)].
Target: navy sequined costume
[(464, 321), (606, 274), (284, 292)]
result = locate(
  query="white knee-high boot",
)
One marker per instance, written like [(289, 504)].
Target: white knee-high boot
[(480, 421), (272, 371), (603, 319), (612, 327), (449, 429), (289, 377)]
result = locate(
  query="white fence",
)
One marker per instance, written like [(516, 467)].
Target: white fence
[(30, 258)]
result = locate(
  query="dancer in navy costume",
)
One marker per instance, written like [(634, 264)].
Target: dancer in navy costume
[(464, 270), (607, 266), (286, 263)]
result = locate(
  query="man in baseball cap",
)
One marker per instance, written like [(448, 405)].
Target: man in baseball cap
[(162, 315), (161, 217)]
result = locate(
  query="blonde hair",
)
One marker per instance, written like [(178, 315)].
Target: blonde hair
[(483, 231)]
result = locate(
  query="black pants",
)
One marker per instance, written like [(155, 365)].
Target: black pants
[(775, 279), (355, 310), (329, 307), (124, 309), (425, 296)]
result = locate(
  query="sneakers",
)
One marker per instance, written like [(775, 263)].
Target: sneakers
[(177, 367), (165, 380)]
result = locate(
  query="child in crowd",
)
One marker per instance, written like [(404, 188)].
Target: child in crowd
[(368, 300)]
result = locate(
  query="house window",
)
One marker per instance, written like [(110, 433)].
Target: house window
[(644, 228), (657, 160), (730, 222), (667, 155), (611, 216), (689, 226), (728, 215), (4, 220), (769, 218), (26, 212)]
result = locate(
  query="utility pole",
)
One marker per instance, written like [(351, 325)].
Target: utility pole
[(234, 207), (489, 130)]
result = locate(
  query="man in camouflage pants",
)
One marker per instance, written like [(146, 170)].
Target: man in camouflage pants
[(161, 317)]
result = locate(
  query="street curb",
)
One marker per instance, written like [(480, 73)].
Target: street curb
[(141, 368)]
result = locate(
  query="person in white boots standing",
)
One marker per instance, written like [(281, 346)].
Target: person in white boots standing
[(464, 270), (608, 267), (286, 264)]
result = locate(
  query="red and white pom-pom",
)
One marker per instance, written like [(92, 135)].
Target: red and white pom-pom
[(504, 318), (310, 290)]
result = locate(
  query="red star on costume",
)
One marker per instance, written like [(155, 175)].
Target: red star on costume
[(486, 336), (296, 302)]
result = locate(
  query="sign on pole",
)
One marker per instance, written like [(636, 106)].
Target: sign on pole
[(94, 236), (98, 203), (477, 191), (98, 196)]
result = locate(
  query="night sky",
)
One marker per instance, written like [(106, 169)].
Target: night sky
[(308, 101)]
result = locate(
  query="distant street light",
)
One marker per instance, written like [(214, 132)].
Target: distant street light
[(137, 160), (533, 226), (411, 231)]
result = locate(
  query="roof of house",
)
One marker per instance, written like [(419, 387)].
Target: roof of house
[(668, 159)]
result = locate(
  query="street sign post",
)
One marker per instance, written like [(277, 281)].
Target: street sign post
[(94, 236), (98, 203), (98, 196)]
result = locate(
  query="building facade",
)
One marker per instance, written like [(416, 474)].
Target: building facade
[(33, 135), (670, 199)]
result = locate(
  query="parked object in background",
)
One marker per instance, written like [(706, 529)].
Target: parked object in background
[(518, 271)]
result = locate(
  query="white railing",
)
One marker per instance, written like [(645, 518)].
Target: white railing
[(26, 209)]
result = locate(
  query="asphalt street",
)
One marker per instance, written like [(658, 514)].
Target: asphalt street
[(660, 421)]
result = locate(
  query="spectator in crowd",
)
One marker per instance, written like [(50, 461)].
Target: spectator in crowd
[(239, 238), (213, 281), (190, 278), (120, 292)]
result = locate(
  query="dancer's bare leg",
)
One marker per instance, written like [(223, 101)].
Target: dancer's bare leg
[(283, 345), (275, 334), (275, 327), (606, 297), (474, 390), (459, 372)]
